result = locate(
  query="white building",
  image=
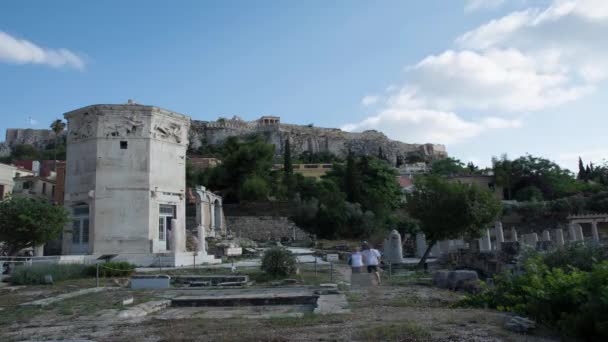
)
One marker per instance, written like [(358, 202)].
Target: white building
[(125, 184), (8, 176)]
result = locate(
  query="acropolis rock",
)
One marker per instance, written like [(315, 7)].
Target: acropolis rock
[(302, 138), (309, 138)]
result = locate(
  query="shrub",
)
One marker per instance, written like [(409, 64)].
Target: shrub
[(34, 274), (113, 269), (582, 257), (278, 262), (573, 300)]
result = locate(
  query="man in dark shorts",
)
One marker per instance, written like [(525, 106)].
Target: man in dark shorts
[(371, 258)]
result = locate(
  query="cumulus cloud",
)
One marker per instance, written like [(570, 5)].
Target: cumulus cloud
[(474, 5), (505, 80), (526, 61), (21, 51), (369, 100), (406, 118)]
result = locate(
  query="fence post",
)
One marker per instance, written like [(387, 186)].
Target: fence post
[(390, 270), (194, 260), (315, 266), (97, 276), (160, 263), (331, 272)]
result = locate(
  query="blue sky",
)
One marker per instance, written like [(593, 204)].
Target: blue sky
[(484, 77)]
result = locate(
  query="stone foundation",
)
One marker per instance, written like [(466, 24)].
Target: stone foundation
[(261, 228)]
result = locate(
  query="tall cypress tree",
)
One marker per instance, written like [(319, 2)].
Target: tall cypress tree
[(288, 179), (352, 179), (581, 170)]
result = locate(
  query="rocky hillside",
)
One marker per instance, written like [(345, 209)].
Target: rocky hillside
[(302, 138), (309, 138)]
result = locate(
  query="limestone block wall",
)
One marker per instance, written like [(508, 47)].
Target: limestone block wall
[(261, 228)]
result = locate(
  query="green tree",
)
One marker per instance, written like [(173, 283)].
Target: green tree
[(582, 173), (288, 178), (25, 152), (255, 188), (503, 173), (57, 127), (242, 160), (352, 179), (448, 210), (447, 167), (26, 222)]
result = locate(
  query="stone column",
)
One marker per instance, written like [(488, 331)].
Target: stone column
[(178, 237), (578, 232), (572, 232), (558, 236), (393, 249), (420, 244), (531, 239), (435, 251), (202, 249), (500, 235), (594, 231), (546, 235), (39, 250), (513, 234), (486, 243)]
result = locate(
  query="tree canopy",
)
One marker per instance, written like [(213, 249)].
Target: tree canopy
[(26, 222), (449, 210)]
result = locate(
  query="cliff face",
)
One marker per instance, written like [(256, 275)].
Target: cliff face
[(312, 139), (301, 138)]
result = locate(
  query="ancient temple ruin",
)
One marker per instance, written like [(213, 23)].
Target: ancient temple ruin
[(126, 188)]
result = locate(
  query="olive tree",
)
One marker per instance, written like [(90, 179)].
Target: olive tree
[(448, 210)]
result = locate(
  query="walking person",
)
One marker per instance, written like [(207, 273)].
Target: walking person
[(371, 258), (356, 260)]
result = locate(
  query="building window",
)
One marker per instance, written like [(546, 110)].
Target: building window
[(123, 145)]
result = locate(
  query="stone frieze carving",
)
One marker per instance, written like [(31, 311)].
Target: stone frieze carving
[(123, 127), (168, 131)]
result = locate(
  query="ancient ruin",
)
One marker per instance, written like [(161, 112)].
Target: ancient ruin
[(122, 188)]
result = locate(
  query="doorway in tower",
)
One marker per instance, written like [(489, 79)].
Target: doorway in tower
[(166, 213)]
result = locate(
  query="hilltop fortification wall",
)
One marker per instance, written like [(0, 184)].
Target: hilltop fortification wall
[(309, 138)]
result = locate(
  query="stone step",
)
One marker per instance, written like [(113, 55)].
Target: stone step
[(244, 300)]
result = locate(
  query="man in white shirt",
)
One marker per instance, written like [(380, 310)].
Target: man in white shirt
[(371, 258)]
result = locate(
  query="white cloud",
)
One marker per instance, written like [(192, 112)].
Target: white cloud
[(503, 80), (32, 122), (21, 51), (405, 118), (369, 100), (573, 30), (528, 60), (474, 5)]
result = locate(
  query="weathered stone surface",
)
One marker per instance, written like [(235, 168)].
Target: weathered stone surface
[(302, 138), (311, 139), (27, 136), (5, 150), (520, 324), (440, 279), (260, 228), (144, 309), (458, 280), (455, 280)]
